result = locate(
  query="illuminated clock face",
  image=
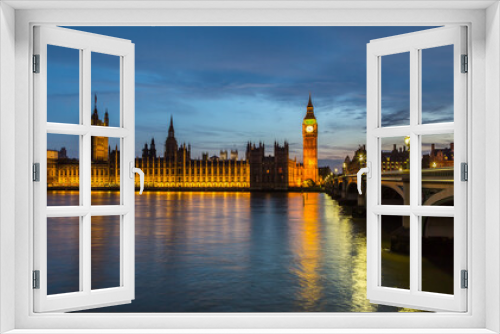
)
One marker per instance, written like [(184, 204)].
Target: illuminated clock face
[(309, 128)]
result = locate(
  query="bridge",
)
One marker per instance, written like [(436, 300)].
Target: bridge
[(437, 187)]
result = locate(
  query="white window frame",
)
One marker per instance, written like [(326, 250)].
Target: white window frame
[(414, 44), (85, 44), (482, 19)]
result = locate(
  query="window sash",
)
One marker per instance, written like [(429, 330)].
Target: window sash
[(87, 43), (413, 43)]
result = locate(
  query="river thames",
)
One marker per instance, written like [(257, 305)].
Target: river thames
[(225, 252)]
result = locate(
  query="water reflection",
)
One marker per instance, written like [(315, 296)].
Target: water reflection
[(105, 259), (63, 257), (242, 252), (307, 253)]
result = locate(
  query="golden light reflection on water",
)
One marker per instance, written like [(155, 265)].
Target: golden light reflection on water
[(242, 252), (308, 253)]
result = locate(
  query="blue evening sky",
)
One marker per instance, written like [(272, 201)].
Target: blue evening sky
[(225, 86)]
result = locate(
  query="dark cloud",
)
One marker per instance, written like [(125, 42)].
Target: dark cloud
[(397, 117)]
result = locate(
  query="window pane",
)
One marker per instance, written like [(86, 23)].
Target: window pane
[(395, 241), (105, 171), (437, 170), (63, 255), (395, 171), (437, 84), (105, 90), (63, 85), (105, 252), (437, 254), (395, 94), (63, 170)]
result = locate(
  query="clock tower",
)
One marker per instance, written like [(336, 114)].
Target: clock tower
[(310, 144)]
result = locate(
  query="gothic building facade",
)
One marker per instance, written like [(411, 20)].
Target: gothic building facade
[(273, 172), (176, 169)]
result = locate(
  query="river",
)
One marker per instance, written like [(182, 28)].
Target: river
[(224, 252)]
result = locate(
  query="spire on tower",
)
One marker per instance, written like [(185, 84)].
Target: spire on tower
[(106, 118), (152, 149), (310, 109), (171, 127), (95, 115), (95, 103)]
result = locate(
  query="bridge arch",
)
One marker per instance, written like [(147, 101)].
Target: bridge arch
[(351, 192), (392, 195), (444, 197)]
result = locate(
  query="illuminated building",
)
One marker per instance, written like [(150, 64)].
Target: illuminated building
[(176, 169), (398, 159), (439, 158), (310, 144)]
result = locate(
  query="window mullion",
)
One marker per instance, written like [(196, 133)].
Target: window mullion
[(85, 103), (82, 258), (86, 253), (414, 168), (85, 186), (86, 168)]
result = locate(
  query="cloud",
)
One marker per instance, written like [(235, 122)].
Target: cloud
[(397, 117)]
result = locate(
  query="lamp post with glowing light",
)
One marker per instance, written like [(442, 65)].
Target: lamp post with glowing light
[(407, 143), (361, 160)]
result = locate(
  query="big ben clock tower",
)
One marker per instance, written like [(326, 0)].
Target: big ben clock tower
[(310, 144)]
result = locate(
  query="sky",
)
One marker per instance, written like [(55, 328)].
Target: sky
[(225, 86)]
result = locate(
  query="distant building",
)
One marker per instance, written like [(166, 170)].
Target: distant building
[(399, 159), (358, 161), (439, 158), (391, 160)]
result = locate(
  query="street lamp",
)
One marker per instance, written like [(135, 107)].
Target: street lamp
[(407, 142), (360, 159)]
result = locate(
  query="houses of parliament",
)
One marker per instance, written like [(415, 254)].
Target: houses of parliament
[(176, 169)]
